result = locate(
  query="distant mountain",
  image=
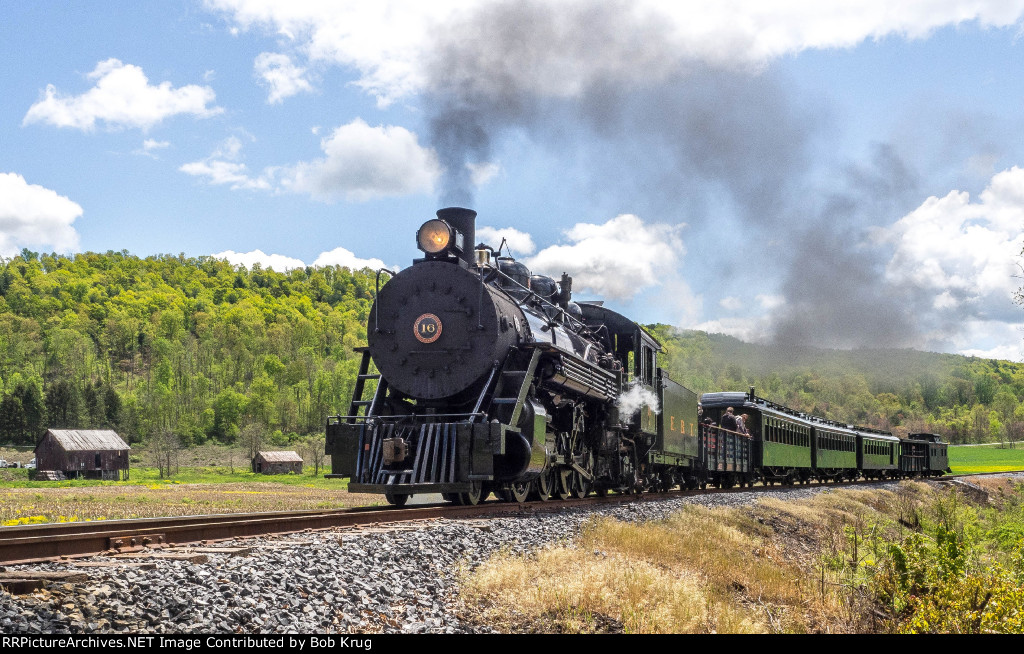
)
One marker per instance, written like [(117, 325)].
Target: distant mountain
[(964, 398)]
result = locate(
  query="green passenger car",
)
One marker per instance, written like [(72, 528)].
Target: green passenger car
[(877, 453), (835, 451), (785, 441), (780, 437)]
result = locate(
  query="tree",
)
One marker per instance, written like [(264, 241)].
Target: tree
[(253, 435), (63, 404), (314, 449), (1018, 295), (1015, 426), (33, 411), (164, 449)]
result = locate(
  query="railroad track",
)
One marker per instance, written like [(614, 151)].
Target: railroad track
[(48, 542)]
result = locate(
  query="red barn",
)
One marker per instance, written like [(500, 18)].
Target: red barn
[(83, 453)]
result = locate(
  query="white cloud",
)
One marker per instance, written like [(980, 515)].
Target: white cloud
[(1003, 352), (731, 303), (521, 243), (150, 147), (278, 262), (390, 43), (362, 163), (236, 175), (339, 256), (764, 301), (617, 259), (281, 76), (481, 173), (770, 302), (152, 144), (962, 251), (366, 162), (991, 339), (122, 97), (34, 216), (229, 148), (751, 330), (221, 169), (384, 41)]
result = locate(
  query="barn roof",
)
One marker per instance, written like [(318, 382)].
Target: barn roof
[(88, 439), (281, 457)]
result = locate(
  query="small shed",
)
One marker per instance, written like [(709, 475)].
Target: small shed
[(277, 463), (83, 453)]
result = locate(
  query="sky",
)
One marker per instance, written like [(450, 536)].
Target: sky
[(843, 174)]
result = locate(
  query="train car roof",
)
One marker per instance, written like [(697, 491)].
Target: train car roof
[(875, 434), (832, 425), (723, 399), (617, 324), (931, 438)]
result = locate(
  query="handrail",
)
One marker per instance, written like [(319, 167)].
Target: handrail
[(577, 326), (727, 431), (376, 327), (405, 416)]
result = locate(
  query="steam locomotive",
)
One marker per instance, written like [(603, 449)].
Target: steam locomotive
[(490, 379)]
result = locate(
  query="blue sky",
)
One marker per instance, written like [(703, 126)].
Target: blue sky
[(837, 174)]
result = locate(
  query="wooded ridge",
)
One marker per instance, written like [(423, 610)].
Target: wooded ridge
[(202, 349)]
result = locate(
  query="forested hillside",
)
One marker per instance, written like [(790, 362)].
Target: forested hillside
[(967, 399), (194, 346), (201, 349)]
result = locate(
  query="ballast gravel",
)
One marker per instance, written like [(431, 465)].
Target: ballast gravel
[(402, 581)]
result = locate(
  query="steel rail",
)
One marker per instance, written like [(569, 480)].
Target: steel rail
[(55, 541)]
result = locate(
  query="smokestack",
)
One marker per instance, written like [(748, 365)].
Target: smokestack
[(464, 220)]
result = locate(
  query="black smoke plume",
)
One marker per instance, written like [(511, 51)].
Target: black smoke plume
[(676, 137)]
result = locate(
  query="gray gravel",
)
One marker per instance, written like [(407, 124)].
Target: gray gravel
[(331, 581)]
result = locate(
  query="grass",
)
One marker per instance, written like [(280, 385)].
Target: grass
[(772, 567), (210, 479), (985, 458), (700, 571), (147, 476), (137, 499), (193, 490)]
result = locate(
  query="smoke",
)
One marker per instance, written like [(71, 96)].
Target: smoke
[(605, 84), (834, 282), (837, 296), (662, 131), (636, 398)]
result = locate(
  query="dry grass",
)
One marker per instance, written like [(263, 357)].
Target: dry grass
[(756, 569)]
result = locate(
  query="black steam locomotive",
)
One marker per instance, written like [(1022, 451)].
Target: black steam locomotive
[(490, 379)]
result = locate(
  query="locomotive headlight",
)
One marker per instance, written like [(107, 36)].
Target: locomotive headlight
[(434, 236)]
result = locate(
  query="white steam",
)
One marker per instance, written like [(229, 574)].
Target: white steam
[(635, 399)]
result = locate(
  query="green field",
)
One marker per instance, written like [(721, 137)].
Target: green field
[(149, 476), (968, 459), (193, 491)]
